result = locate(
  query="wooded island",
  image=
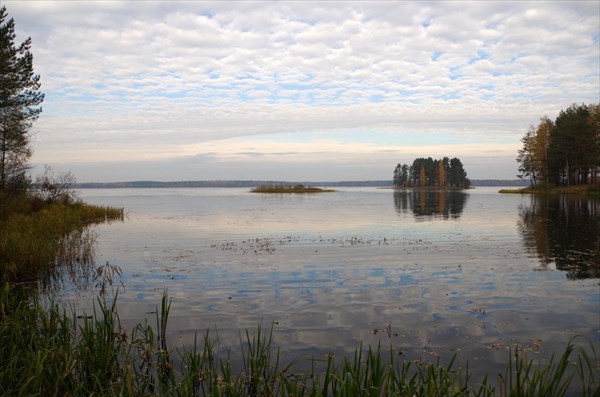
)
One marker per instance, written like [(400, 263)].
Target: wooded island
[(445, 173)]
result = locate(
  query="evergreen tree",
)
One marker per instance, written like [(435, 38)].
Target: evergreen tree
[(594, 146), (397, 181), (415, 172), (458, 175), (568, 145), (433, 172), (565, 152), (525, 157), (401, 176), (404, 173), (19, 105)]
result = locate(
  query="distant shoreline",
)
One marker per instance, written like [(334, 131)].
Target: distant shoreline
[(253, 184)]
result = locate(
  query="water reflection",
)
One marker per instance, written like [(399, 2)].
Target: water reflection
[(430, 204), (344, 264), (73, 263), (564, 231)]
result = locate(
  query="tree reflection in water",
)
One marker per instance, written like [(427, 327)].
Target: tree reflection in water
[(564, 231), (430, 203)]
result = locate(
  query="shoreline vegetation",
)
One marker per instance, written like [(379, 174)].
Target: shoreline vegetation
[(39, 235), (298, 188), (592, 189)]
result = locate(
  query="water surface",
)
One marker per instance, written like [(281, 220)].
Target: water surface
[(430, 274)]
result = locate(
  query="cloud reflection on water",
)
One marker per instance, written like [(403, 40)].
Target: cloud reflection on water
[(451, 277)]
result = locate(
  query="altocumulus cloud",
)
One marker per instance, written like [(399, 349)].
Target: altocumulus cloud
[(229, 90)]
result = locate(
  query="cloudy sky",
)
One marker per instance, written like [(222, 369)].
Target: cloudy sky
[(193, 90)]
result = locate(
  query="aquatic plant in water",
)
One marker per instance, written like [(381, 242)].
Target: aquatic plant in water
[(35, 242), (48, 351)]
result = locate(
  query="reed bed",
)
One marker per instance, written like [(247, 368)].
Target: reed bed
[(46, 350), (299, 188), (36, 237)]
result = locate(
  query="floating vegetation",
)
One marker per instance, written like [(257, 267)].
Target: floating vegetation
[(268, 245), (299, 188), (256, 246)]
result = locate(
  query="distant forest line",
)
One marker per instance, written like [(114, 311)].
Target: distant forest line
[(251, 184)]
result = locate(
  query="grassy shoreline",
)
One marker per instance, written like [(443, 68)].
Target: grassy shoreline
[(289, 189), (37, 236), (585, 190)]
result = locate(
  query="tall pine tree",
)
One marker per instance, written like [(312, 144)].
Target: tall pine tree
[(19, 105)]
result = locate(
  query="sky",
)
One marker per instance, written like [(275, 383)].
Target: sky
[(300, 90)]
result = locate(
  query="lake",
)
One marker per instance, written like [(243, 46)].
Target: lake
[(430, 274)]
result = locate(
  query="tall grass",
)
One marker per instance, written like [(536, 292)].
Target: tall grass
[(298, 188), (49, 351), (36, 237)]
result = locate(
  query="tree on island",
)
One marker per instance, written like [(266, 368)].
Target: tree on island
[(427, 172), (19, 106), (563, 152)]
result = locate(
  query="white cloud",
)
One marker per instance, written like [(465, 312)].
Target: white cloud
[(137, 81)]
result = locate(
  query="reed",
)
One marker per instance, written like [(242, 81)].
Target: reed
[(299, 188), (46, 350), (36, 237)]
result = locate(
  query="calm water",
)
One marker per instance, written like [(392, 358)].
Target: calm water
[(430, 274)]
